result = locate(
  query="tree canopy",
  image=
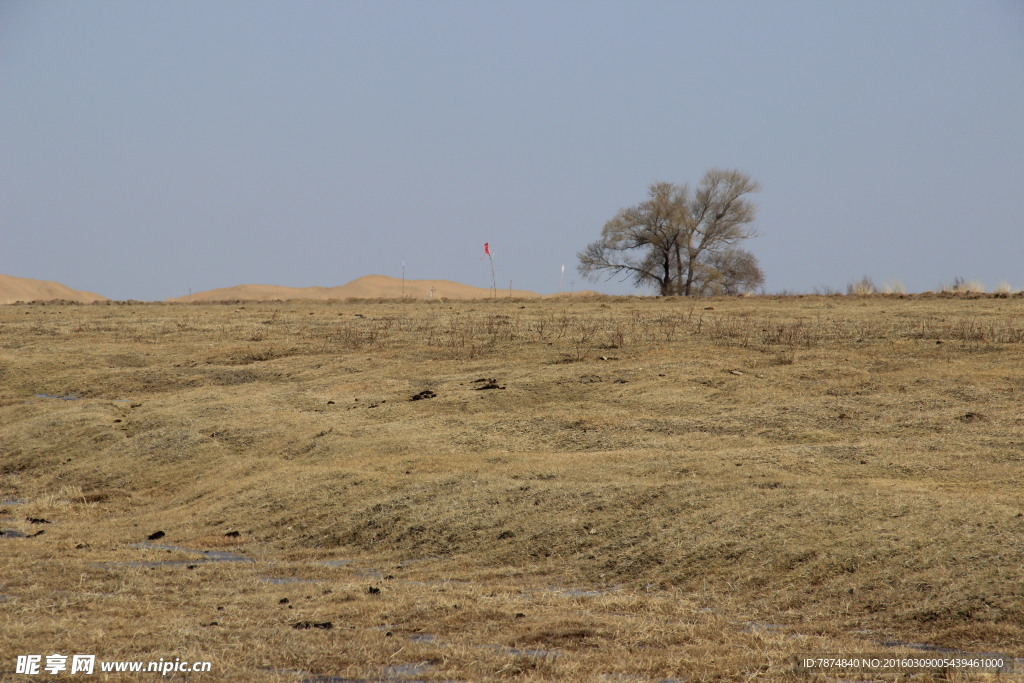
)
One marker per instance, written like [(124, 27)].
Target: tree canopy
[(682, 240)]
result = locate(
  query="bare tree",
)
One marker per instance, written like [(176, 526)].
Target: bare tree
[(732, 271), (640, 242), (666, 240)]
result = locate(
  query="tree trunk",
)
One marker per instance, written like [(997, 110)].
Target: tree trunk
[(679, 271), (689, 276), (666, 283)]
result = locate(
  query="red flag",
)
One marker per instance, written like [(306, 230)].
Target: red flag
[(487, 248)]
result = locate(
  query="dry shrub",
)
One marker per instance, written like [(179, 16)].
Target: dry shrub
[(863, 287)]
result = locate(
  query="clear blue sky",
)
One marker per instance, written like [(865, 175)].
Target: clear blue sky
[(149, 148)]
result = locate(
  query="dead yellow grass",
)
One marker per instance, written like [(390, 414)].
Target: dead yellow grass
[(583, 489)]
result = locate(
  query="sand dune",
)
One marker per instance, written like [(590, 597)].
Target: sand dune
[(14, 289), (366, 287)]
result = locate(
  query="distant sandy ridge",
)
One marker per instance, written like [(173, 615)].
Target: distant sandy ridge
[(366, 287), (14, 289)]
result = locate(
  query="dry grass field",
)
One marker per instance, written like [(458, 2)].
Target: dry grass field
[(572, 490)]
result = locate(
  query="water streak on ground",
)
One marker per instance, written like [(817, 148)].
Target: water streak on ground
[(208, 555)]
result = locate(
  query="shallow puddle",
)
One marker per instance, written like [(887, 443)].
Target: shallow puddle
[(757, 627), (157, 563), (517, 652), (76, 397), (403, 670), (585, 593), (207, 555)]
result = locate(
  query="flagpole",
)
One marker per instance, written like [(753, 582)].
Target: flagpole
[(494, 283)]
